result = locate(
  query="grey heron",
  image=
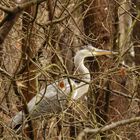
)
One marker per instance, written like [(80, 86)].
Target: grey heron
[(55, 96)]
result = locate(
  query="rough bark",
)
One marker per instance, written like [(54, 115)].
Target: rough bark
[(29, 49), (98, 25), (28, 52), (101, 24), (136, 43)]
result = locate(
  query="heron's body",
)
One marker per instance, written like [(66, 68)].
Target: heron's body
[(49, 100), (53, 98)]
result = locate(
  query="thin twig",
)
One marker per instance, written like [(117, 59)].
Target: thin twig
[(107, 127)]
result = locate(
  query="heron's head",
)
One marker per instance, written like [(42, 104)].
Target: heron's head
[(92, 51)]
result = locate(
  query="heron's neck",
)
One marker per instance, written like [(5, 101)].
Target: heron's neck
[(80, 67)]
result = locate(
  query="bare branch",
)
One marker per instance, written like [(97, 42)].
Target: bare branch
[(5, 9), (5, 73), (107, 127), (13, 15)]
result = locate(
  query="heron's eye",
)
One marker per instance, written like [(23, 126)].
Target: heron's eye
[(90, 48)]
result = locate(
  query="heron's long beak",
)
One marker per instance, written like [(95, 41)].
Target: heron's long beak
[(99, 52)]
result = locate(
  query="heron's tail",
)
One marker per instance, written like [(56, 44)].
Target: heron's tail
[(17, 120)]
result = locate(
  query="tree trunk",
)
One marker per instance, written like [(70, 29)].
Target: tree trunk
[(100, 24), (136, 43), (27, 67)]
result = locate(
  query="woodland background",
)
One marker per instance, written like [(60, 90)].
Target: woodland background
[(35, 34)]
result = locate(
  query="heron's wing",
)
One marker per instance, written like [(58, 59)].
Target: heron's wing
[(49, 100)]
